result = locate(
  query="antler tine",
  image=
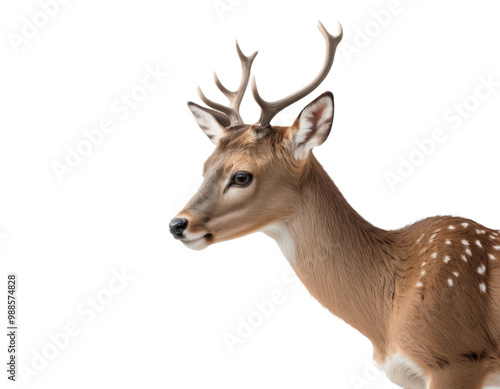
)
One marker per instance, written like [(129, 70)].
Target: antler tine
[(233, 115), (234, 97), (270, 109)]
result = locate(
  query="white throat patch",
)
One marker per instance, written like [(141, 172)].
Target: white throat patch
[(403, 371), (280, 234)]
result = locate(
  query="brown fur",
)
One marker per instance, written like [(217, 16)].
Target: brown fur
[(429, 291), (363, 274), (368, 277)]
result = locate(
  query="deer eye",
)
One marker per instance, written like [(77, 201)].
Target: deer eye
[(241, 179)]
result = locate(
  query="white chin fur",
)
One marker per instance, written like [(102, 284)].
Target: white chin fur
[(196, 244)]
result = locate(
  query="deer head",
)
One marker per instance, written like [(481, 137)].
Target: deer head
[(253, 178)]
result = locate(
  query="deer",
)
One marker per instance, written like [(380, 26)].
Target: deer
[(426, 295)]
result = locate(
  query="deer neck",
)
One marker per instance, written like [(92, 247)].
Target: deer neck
[(342, 259)]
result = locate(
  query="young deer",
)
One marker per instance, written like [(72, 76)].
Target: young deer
[(426, 295)]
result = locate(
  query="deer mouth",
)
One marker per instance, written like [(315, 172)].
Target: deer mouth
[(198, 243)]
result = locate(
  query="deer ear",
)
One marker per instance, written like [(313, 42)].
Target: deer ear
[(312, 126), (212, 122)]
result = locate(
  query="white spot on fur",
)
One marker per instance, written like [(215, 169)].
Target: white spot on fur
[(468, 252), (463, 257), (419, 284), (455, 273), (434, 255), (493, 380), (492, 257), (424, 263), (196, 244), (482, 287), (448, 241), (478, 231), (422, 273), (465, 225), (421, 237), (465, 242), (280, 234), (447, 259), (496, 247), (450, 282), (481, 269), (478, 243), (451, 227), (195, 241), (404, 372)]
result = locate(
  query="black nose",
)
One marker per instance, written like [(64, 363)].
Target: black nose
[(177, 227)]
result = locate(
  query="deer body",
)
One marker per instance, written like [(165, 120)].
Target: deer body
[(394, 286), (426, 295)]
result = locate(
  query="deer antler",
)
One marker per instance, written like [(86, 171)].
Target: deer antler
[(270, 109), (234, 97)]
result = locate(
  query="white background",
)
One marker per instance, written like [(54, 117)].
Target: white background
[(111, 212)]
